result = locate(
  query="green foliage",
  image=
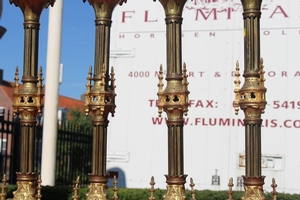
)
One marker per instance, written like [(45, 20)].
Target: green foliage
[(48, 192), (56, 193), (283, 196), (66, 193), (77, 116), (144, 194), (9, 190), (72, 161), (74, 138)]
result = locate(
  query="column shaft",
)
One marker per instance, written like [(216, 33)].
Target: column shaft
[(253, 150), (175, 151), (99, 149)]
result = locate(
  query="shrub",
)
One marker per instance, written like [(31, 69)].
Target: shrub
[(66, 193)]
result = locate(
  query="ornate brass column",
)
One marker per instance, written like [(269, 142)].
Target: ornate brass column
[(100, 97), (28, 101), (174, 99), (251, 99)]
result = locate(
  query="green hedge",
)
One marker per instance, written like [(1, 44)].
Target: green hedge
[(66, 193)]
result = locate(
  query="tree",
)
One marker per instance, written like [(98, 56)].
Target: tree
[(77, 116), (74, 147)]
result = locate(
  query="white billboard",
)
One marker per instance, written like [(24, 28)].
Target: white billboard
[(212, 42)]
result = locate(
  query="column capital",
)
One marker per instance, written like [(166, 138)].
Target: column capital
[(32, 9), (104, 8), (251, 8), (173, 7)]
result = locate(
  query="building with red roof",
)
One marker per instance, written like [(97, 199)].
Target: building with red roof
[(6, 97)]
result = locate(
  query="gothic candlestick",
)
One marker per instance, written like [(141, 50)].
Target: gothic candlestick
[(28, 101), (100, 96), (174, 98), (251, 99)]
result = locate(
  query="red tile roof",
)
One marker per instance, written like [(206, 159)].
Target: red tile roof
[(6, 94), (6, 97), (67, 102)]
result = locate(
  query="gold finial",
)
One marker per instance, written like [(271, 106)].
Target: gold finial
[(274, 192), (160, 91), (237, 83), (88, 90), (160, 78), (193, 192), (40, 92), (16, 92), (3, 187), (152, 190), (262, 81), (230, 191), (184, 77), (262, 72), (89, 78), (76, 188), (16, 85), (103, 78), (39, 188), (185, 89), (112, 79), (40, 78), (115, 189), (112, 89)]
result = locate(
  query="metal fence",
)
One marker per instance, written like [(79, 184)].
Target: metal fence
[(73, 153)]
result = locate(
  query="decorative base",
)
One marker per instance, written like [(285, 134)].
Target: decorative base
[(253, 188), (26, 183), (175, 188), (97, 187)]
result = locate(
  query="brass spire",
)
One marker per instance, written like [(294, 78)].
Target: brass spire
[(230, 191), (115, 189), (193, 192), (76, 188), (152, 190), (274, 192), (3, 188)]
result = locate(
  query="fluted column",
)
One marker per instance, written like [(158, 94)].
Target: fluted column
[(174, 98), (28, 101), (251, 99), (100, 96)]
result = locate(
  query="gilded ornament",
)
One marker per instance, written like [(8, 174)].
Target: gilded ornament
[(97, 191), (174, 98)]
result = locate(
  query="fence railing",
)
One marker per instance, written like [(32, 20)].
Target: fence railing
[(73, 153)]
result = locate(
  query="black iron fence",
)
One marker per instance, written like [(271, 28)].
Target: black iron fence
[(73, 153)]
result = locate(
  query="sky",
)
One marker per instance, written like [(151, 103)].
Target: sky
[(77, 48)]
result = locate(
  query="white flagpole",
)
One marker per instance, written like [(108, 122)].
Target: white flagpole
[(51, 94)]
